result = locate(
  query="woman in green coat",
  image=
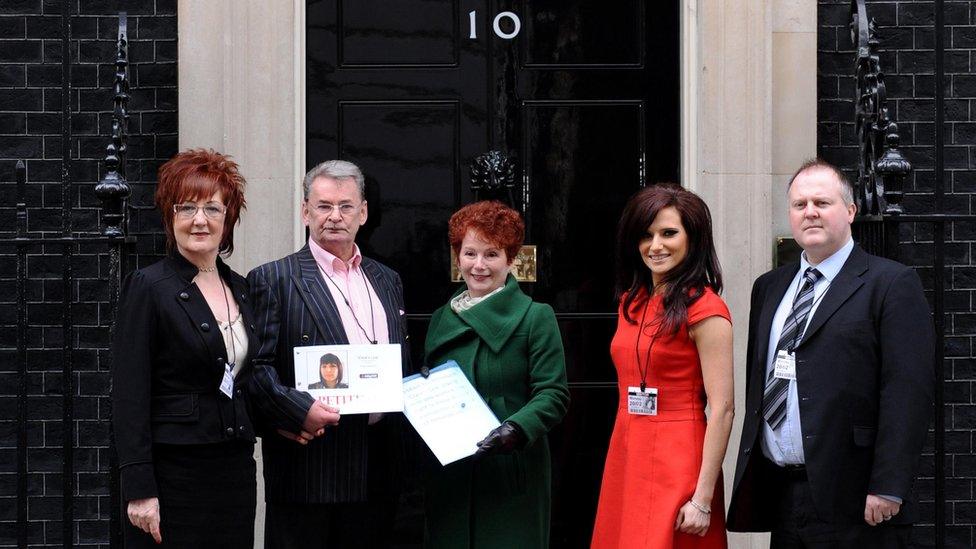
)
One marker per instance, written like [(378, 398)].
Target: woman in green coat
[(510, 349)]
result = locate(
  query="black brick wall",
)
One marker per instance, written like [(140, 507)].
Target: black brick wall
[(906, 31), (30, 126), (30, 129)]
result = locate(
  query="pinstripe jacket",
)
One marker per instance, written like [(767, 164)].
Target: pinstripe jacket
[(293, 307)]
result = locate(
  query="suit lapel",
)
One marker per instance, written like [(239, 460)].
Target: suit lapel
[(191, 300), (450, 337), (321, 307), (847, 281), (204, 323)]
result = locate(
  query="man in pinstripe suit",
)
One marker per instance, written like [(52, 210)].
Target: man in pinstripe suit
[(340, 489)]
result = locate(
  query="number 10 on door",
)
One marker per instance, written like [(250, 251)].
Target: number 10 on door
[(496, 25)]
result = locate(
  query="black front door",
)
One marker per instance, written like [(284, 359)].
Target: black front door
[(583, 96)]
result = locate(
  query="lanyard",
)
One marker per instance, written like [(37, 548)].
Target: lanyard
[(647, 354), (372, 320), (230, 328)]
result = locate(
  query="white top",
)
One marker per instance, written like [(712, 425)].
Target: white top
[(235, 340)]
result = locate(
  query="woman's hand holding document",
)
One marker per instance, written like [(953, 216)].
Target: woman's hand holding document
[(447, 412)]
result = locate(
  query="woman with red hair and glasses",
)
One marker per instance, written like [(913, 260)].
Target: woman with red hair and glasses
[(510, 349), (180, 352), (662, 483)]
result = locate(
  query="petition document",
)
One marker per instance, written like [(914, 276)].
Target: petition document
[(447, 412), (356, 379)]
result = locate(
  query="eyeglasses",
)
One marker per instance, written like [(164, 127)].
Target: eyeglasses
[(345, 209), (211, 210)]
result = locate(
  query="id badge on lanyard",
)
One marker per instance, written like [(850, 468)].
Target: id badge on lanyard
[(642, 402), (785, 365), (227, 383)]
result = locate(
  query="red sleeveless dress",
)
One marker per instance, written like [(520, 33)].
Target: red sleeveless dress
[(653, 461)]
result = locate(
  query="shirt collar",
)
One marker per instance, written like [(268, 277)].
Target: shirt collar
[(332, 264), (832, 265)]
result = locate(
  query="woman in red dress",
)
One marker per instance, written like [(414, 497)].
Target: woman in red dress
[(662, 484)]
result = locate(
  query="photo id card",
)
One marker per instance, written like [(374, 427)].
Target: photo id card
[(227, 383), (642, 403), (356, 379), (785, 367)]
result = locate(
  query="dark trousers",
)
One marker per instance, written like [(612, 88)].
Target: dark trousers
[(799, 526), (329, 526)]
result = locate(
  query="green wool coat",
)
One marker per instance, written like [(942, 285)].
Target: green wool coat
[(510, 349)]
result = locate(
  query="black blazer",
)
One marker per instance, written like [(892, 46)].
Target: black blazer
[(865, 379), (168, 360), (294, 308)]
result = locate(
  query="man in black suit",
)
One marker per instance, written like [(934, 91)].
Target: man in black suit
[(339, 490), (839, 385)]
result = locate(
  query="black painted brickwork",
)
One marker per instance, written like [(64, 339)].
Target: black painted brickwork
[(30, 129), (30, 99), (906, 31)]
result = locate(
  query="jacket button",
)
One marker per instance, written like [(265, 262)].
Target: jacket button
[(205, 327), (756, 411), (305, 337), (252, 327), (230, 431), (244, 297), (184, 296), (220, 360), (241, 428), (239, 392), (747, 450)]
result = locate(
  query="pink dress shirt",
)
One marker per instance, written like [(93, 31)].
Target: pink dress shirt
[(345, 280)]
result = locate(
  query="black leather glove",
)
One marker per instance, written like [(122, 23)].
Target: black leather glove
[(503, 439)]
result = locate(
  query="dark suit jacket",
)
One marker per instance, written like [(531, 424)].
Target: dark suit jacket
[(168, 362), (865, 379), (294, 308)]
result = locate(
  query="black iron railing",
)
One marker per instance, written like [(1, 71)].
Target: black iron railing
[(113, 191), (881, 169), (880, 178)]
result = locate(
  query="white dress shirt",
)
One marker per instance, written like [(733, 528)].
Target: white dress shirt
[(785, 445)]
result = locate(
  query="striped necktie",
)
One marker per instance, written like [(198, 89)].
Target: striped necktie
[(774, 397)]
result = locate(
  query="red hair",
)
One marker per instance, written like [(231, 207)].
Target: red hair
[(495, 222), (200, 173)]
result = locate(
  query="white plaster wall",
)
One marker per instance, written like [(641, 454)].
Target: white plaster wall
[(728, 87), (749, 119), (241, 92), (794, 97)]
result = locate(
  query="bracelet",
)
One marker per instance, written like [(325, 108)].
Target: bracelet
[(700, 507)]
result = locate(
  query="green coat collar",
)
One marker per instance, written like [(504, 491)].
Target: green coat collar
[(493, 320)]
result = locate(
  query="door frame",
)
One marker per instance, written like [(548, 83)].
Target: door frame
[(216, 69), (748, 114)]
